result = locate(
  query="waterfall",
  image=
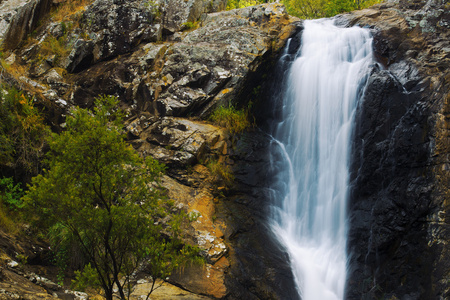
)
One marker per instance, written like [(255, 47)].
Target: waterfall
[(311, 153)]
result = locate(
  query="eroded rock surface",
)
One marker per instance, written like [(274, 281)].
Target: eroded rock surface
[(399, 203), (171, 63), (18, 18)]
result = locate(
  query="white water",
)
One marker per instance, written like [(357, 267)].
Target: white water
[(311, 152)]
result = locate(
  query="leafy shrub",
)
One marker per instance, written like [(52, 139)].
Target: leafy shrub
[(313, 9), (229, 117), (221, 172), (189, 25), (232, 4), (310, 9), (87, 278), (11, 194), (22, 132), (53, 46), (10, 203)]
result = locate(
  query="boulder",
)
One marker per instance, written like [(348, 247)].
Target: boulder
[(175, 142), (18, 18), (209, 66), (178, 13), (114, 27)]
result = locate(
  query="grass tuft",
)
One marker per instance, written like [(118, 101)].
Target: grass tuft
[(234, 120), (221, 172)]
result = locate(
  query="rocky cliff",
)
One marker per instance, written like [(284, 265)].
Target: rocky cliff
[(399, 202), (171, 63)]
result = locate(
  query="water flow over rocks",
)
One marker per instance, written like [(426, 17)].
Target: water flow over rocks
[(311, 152)]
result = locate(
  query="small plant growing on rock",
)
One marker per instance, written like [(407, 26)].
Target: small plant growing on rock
[(153, 7), (55, 46), (189, 25), (221, 172), (236, 121)]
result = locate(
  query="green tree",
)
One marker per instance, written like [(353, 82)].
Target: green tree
[(100, 193), (313, 9)]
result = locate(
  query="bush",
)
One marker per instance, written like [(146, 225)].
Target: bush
[(11, 194), (53, 46), (22, 133), (232, 4), (313, 9), (221, 172), (10, 204), (229, 117), (189, 25)]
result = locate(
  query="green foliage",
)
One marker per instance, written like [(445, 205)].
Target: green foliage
[(221, 172), (189, 25), (106, 198), (11, 194), (153, 7), (312, 9), (232, 4), (10, 204), (23, 259), (56, 46), (229, 117), (22, 132), (87, 278)]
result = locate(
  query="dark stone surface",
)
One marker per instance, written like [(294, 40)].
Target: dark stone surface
[(398, 206), (260, 266), (391, 194)]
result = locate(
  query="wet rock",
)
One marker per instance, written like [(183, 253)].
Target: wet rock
[(259, 267), (399, 181)]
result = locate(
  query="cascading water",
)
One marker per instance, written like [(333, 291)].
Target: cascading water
[(311, 153)]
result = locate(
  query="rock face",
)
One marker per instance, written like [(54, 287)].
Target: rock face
[(19, 18), (178, 13), (399, 202), (169, 74)]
